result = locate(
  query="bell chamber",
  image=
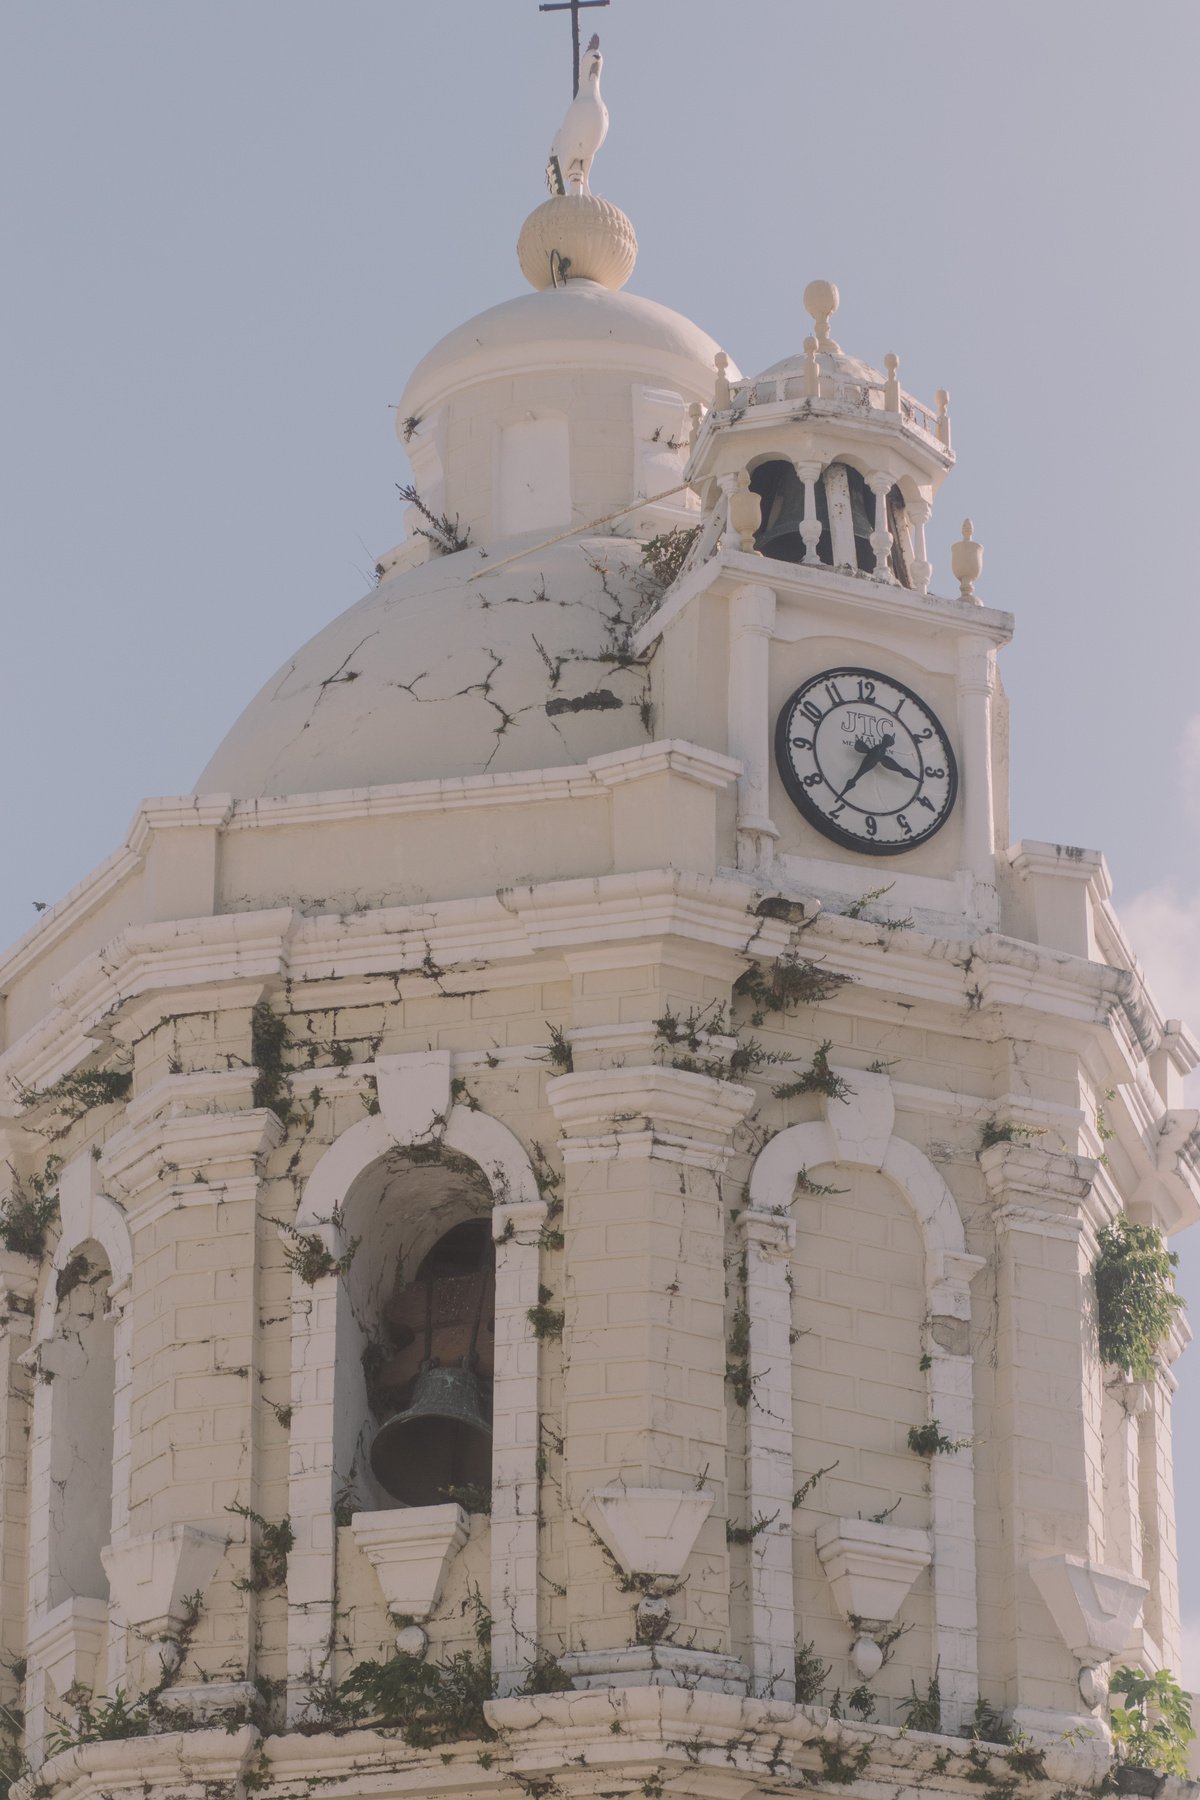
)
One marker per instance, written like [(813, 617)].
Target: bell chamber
[(435, 1443), (845, 509)]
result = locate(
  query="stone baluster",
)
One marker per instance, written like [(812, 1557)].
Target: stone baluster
[(810, 525), (745, 512), (696, 415), (722, 392), (880, 485), (942, 399), (919, 513), (891, 387)]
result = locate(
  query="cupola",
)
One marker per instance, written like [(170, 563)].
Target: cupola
[(823, 459)]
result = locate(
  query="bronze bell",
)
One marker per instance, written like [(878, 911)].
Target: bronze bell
[(782, 495), (441, 1440)]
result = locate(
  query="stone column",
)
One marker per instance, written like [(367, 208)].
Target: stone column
[(769, 1239), (644, 1351), (1156, 1504), (751, 622), (516, 1227), (976, 679), (18, 1285), (1047, 1409)]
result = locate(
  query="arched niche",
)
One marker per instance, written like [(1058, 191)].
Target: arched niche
[(398, 1181), (81, 1359), (856, 1134)]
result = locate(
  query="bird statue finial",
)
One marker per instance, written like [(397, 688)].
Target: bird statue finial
[(582, 131)]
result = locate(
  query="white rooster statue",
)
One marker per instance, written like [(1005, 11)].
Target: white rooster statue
[(582, 131)]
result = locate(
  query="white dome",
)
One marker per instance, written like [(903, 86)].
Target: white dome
[(433, 674), (579, 326)]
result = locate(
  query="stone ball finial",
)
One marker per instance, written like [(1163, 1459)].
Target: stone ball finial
[(577, 237), (821, 300), (966, 560)]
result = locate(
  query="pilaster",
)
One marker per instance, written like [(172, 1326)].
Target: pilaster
[(1048, 1399), (644, 1343)]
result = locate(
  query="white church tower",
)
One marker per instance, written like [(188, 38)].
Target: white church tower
[(577, 1217)]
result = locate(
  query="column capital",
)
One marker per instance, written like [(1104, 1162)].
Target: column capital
[(774, 1233), (752, 609), (671, 1115)]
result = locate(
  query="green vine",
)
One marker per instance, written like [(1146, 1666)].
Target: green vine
[(546, 1321), (269, 1552), (269, 1041), (811, 1674), (818, 1078), (931, 1440), (789, 982)]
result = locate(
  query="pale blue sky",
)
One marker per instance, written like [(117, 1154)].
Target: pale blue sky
[(232, 228)]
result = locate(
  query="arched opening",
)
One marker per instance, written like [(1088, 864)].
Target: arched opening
[(81, 1360), (845, 510), (433, 1394), (415, 1333)]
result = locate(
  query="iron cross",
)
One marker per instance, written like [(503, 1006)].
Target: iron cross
[(574, 7)]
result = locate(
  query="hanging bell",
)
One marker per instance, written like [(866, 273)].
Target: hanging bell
[(441, 1440), (782, 493)]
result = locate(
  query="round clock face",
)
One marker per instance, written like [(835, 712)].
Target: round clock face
[(866, 761)]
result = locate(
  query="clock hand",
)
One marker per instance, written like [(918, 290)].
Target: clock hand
[(874, 755), (887, 762)]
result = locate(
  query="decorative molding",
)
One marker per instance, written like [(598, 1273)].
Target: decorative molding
[(1096, 1610), (152, 1577), (410, 1550), (66, 1643), (870, 1567), (662, 1112), (650, 1531), (655, 1665)]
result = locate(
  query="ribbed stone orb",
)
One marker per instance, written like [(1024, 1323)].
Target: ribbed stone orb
[(577, 237)]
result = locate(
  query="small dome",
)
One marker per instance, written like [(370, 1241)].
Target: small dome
[(581, 326), (433, 674)]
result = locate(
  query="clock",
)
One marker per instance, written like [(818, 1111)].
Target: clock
[(866, 761)]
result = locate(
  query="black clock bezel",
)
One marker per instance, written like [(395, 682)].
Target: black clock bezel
[(799, 794)]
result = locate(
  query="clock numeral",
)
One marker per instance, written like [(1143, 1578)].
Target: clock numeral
[(919, 735), (866, 689), (870, 824), (926, 803), (801, 743), (813, 780), (904, 825), (898, 705), (835, 698), (812, 711), (837, 812), (936, 774)]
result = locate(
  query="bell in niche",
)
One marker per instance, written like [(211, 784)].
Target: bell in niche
[(441, 1438), (782, 494)]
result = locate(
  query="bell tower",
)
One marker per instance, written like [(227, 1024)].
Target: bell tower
[(864, 709)]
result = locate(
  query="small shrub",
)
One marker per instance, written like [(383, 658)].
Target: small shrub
[(1007, 1131), (1153, 1729), (100, 1721), (789, 982), (923, 1712), (30, 1211), (664, 556), (269, 1040), (443, 532), (1136, 1302), (547, 1321), (931, 1440), (811, 1674), (433, 1703), (818, 1078)]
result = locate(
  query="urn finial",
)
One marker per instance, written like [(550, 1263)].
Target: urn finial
[(966, 560), (821, 301)]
